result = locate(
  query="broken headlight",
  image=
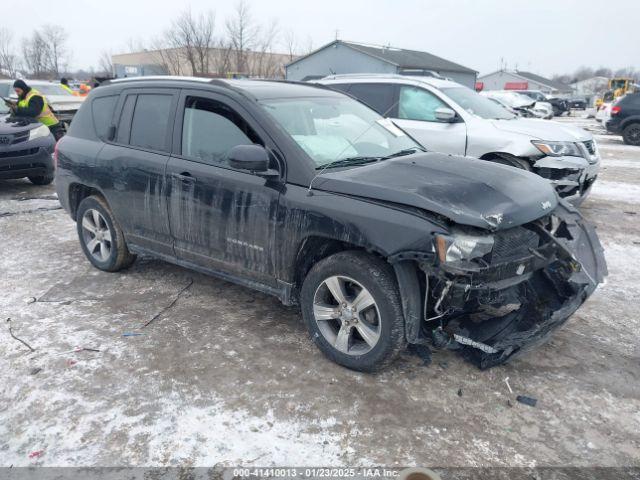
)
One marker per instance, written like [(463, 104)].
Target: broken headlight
[(462, 247), (558, 149)]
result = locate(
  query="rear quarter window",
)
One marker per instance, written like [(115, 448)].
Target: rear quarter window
[(102, 110)]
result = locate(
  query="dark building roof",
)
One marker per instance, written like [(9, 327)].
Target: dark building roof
[(544, 81), (402, 58)]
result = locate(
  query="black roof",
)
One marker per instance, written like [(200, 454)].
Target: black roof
[(258, 89), (400, 57), (545, 81)]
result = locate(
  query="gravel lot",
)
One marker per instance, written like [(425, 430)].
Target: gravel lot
[(228, 376)]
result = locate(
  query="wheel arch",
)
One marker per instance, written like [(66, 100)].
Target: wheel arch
[(315, 248), (77, 193)]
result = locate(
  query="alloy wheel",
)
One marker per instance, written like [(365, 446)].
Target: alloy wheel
[(96, 235), (347, 315)]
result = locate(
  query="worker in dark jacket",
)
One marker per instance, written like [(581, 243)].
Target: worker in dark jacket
[(32, 104), (64, 83)]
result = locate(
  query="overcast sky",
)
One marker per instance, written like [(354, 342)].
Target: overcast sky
[(544, 36)]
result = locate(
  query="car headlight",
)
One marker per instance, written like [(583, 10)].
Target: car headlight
[(558, 149), (40, 132), (461, 247)]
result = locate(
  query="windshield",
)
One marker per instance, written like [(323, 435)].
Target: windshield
[(52, 89), (338, 129), (477, 104), (3, 108)]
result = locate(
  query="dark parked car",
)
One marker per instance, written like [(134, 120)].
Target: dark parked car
[(559, 105), (578, 103), (625, 118), (306, 194), (26, 148)]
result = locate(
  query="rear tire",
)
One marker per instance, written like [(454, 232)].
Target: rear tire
[(365, 331), (101, 237), (41, 179), (631, 134)]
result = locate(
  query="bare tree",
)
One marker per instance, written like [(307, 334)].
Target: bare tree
[(192, 37), (135, 45), (165, 55), (603, 72), (105, 64), (55, 38), (261, 61), (290, 42), (242, 34), (8, 59), (35, 53)]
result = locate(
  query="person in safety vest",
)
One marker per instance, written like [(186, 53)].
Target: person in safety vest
[(32, 104), (64, 83)]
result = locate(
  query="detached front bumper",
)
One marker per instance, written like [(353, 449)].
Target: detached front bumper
[(572, 177), (497, 312)]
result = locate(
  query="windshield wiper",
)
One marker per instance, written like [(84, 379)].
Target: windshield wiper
[(402, 153), (345, 162)]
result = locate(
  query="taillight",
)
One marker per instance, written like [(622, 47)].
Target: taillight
[(615, 110), (55, 154)]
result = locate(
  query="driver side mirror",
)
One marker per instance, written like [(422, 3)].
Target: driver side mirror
[(253, 158), (445, 114)]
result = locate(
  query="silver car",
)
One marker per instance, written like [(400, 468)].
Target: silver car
[(447, 117)]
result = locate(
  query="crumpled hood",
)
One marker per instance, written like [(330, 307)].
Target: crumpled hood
[(465, 190), (543, 130)]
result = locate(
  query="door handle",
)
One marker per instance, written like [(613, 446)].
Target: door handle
[(184, 177)]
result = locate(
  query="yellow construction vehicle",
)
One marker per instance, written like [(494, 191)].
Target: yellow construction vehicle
[(621, 86), (617, 88)]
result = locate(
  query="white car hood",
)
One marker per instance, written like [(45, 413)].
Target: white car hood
[(64, 102), (543, 130)]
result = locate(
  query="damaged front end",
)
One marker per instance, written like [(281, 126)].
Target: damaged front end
[(492, 297), (572, 175)]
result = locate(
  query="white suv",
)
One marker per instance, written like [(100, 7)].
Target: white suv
[(447, 117)]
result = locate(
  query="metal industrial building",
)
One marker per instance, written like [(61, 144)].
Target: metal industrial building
[(519, 80), (340, 57)]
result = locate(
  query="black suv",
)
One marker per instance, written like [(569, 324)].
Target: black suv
[(26, 149), (308, 195), (625, 118)]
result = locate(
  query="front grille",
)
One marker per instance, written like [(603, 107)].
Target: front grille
[(20, 137), (558, 174), (22, 166), (513, 243), (19, 153)]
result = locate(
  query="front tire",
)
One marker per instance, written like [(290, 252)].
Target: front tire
[(631, 134), (41, 179), (352, 310), (101, 237)]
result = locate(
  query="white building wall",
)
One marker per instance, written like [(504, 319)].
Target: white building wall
[(498, 80)]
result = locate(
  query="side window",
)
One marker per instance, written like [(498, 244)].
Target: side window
[(102, 111), (150, 120), (124, 123), (210, 129), (378, 96), (418, 104)]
